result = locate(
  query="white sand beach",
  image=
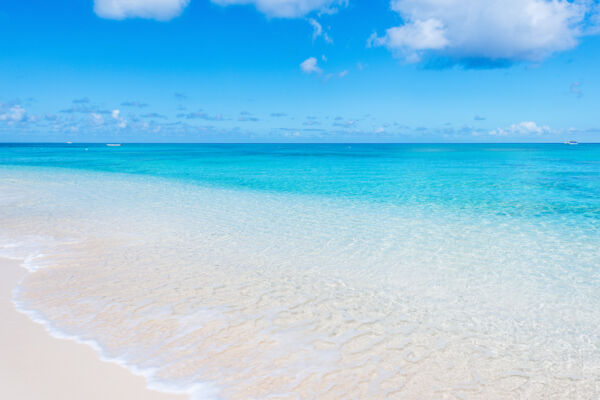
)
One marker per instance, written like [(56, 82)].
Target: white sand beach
[(37, 366), (250, 294)]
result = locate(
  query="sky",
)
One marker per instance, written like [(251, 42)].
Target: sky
[(300, 70)]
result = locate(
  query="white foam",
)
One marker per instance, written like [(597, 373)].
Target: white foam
[(196, 391)]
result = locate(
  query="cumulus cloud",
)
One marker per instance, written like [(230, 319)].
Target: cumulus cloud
[(309, 66), (417, 35), (526, 128), (287, 8), (491, 31), (12, 113), (162, 10)]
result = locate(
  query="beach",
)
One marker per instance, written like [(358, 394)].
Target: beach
[(300, 200), (34, 365), (238, 272)]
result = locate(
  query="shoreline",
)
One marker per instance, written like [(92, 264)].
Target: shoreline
[(266, 293), (37, 366)]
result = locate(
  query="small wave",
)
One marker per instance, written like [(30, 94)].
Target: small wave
[(29, 251)]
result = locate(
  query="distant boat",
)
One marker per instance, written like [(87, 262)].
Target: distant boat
[(68, 142), (113, 144), (571, 143)]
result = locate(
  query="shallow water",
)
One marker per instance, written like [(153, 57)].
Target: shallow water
[(317, 271)]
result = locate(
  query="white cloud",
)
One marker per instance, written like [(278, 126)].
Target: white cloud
[(493, 30), (162, 10), (527, 128), (419, 35), (116, 114), (343, 73), (97, 119), (318, 30), (11, 114), (287, 8), (309, 66)]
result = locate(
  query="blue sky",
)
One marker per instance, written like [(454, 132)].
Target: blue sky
[(300, 70)]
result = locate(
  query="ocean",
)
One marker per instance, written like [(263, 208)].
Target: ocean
[(325, 271)]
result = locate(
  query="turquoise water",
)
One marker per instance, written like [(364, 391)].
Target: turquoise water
[(526, 180), (317, 271)]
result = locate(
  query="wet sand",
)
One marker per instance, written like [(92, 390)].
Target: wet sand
[(37, 366)]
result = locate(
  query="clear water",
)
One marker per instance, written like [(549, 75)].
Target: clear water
[(317, 271)]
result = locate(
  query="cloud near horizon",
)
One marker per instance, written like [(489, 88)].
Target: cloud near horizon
[(111, 124), (525, 128), (487, 32), (12, 113)]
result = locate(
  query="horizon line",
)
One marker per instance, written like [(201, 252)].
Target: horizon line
[(279, 143)]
